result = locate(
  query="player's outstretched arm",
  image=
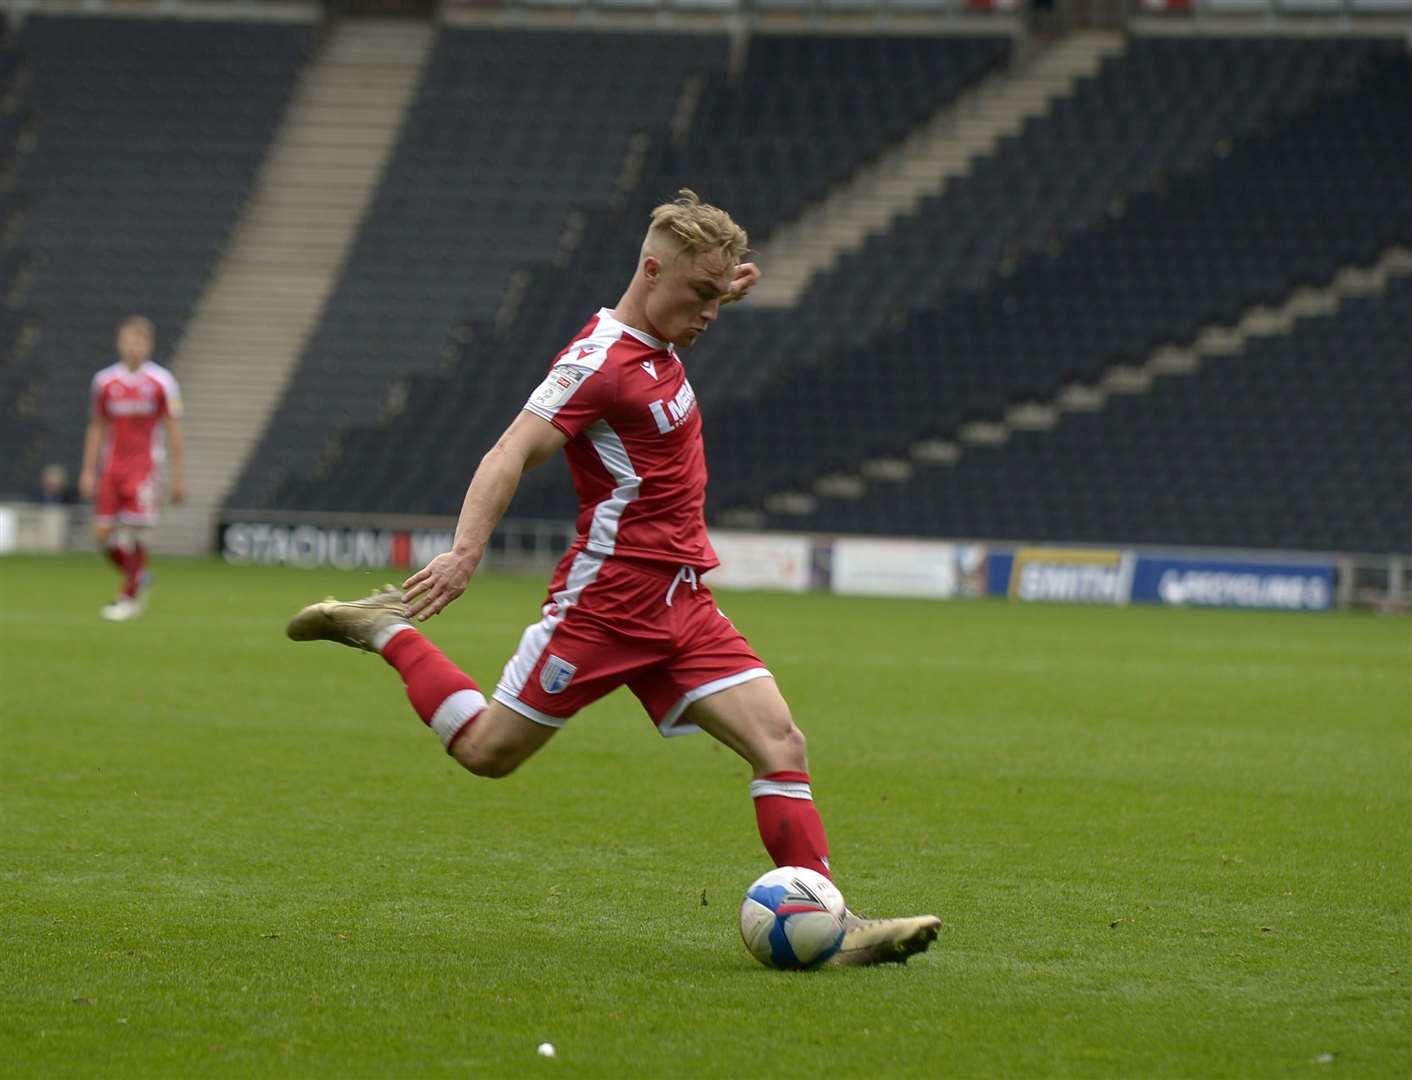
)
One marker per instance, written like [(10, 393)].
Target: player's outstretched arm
[(527, 442)]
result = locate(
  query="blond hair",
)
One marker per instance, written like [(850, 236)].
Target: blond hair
[(691, 226), (140, 322)]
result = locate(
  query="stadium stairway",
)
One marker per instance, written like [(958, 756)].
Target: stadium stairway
[(250, 326), (946, 147)]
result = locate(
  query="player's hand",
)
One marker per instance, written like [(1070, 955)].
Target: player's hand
[(177, 491), (87, 483), (744, 279), (435, 585)]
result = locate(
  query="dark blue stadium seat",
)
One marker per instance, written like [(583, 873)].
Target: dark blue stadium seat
[(763, 145), (147, 136)]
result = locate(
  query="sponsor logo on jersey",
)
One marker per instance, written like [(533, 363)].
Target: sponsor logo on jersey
[(673, 414), (556, 674), (132, 407), (649, 367)]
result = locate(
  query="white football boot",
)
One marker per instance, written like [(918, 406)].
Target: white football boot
[(884, 941), (121, 610), (355, 623)]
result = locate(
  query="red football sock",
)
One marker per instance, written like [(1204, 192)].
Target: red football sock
[(789, 822), (133, 566), (445, 697), (117, 556)]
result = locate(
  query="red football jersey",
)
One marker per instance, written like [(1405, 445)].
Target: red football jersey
[(133, 402), (635, 449)]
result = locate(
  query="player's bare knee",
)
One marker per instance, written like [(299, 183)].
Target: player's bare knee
[(493, 763), (784, 746), (781, 728), (491, 768), (793, 747)]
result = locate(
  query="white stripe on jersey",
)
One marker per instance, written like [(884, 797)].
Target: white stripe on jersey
[(582, 573), (603, 533)]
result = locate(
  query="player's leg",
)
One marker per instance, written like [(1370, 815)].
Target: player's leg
[(106, 504), (563, 663), (747, 712), (124, 510), (121, 552), (109, 540), (488, 739), (715, 682), (140, 514), (753, 719), (136, 576), (499, 742)]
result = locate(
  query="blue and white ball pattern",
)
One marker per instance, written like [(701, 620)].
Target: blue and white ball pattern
[(792, 918)]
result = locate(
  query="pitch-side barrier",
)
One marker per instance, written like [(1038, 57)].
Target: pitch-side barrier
[(848, 565), (867, 566)]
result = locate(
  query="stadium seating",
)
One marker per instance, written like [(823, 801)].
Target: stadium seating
[(19, 427), (1281, 207), (1299, 443), (1188, 180), (1127, 218), (1121, 133), (790, 127), (762, 145), (148, 134), (512, 137)]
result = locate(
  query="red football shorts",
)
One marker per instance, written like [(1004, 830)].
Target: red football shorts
[(126, 497), (611, 621)]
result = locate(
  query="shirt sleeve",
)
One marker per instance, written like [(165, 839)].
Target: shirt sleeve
[(171, 400), (171, 394), (574, 395), (95, 399)]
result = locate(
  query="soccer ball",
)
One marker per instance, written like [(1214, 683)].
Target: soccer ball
[(792, 918)]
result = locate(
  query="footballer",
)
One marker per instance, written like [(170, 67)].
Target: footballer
[(626, 605), (134, 423)]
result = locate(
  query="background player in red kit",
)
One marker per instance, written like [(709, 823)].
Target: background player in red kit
[(625, 606), (134, 421)]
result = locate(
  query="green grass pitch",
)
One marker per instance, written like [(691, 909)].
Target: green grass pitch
[(1164, 843)]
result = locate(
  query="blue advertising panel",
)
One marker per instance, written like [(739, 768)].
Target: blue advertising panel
[(997, 572), (1197, 582)]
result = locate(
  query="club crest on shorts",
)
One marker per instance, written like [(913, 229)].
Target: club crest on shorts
[(556, 674)]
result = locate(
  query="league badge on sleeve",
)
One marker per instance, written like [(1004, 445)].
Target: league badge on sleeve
[(557, 387), (556, 674)]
